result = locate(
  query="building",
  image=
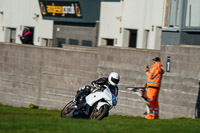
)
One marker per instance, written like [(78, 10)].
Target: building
[(53, 22), (15, 15), (76, 22), (182, 22), (149, 23), (125, 23), (132, 23)]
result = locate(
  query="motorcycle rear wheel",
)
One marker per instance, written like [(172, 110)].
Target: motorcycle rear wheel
[(99, 114), (66, 112)]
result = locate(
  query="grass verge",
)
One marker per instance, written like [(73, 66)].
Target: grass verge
[(25, 120)]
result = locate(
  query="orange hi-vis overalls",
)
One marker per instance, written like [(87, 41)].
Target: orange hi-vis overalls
[(154, 77)]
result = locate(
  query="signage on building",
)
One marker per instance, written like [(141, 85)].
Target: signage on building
[(168, 64), (63, 9)]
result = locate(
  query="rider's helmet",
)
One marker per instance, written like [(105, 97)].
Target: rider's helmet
[(114, 78)]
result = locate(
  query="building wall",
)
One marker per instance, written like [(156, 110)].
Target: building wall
[(76, 32), (110, 21), (50, 77), (181, 23), (140, 15), (19, 14)]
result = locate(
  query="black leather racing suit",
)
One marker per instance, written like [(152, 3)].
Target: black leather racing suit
[(104, 81), (100, 83)]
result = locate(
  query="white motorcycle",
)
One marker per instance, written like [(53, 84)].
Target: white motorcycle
[(94, 104)]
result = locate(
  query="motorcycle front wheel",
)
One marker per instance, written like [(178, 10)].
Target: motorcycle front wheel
[(67, 112), (99, 114)]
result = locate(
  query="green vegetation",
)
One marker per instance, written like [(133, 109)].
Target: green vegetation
[(25, 120)]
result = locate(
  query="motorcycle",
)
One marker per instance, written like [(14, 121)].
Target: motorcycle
[(94, 104)]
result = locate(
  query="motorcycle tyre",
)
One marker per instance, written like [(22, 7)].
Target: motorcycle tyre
[(70, 114), (103, 114)]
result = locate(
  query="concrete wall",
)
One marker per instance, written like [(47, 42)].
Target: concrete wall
[(49, 77), (180, 96), (45, 77)]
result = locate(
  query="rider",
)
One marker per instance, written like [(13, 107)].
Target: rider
[(111, 82)]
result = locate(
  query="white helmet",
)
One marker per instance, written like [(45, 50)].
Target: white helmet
[(114, 78)]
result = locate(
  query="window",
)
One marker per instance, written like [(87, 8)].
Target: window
[(73, 42), (60, 41), (86, 43), (193, 13)]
